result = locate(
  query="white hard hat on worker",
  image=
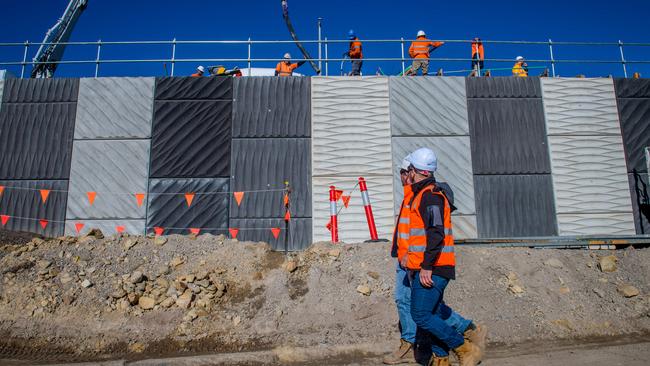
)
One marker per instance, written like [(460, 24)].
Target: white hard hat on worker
[(424, 159)]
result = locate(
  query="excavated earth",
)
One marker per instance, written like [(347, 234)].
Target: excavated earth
[(136, 298)]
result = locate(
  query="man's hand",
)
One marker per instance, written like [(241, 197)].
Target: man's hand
[(425, 278), (404, 260)]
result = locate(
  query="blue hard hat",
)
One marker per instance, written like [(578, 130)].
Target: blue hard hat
[(351, 34)]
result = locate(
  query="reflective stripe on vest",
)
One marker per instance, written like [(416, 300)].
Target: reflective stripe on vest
[(403, 222)]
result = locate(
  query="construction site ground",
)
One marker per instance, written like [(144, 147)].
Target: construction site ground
[(208, 300)]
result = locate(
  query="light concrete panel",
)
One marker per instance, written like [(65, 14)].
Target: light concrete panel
[(349, 87), (108, 227), (596, 224)]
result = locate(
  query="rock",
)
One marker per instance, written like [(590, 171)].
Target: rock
[(607, 264), (129, 243), (364, 290), (373, 275), (516, 289), (564, 290), (554, 262), (177, 261), (185, 299), (203, 283), (628, 290), (43, 264), (86, 283), (96, 233), (168, 302), (68, 299), (290, 266), (65, 278), (599, 292), (190, 278), (334, 253), (236, 320), (202, 275), (118, 293), (123, 305), (133, 298), (160, 241), (146, 303), (136, 277)]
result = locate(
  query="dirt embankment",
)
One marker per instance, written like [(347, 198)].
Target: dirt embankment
[(100, 298)]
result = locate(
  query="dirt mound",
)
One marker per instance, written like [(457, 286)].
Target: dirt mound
[(96, 298)]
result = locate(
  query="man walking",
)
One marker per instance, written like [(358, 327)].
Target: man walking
[(355, 53)]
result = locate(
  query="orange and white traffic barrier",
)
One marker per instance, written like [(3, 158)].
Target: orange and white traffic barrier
[(333, 225), (368, 208)]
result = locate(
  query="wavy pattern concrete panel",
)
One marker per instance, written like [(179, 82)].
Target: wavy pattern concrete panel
[(188, 88), (259, 230), (515, 206), (589, 174), (114, 108), (635, 124), (580, 106), (353, 227), (428, 106), (349, 87), (116, 170), (36, 140), (108, 227), (272, 107), (596, 224), (454, 166), (265, 164), (632, 88), (191, 139), (41, 90), (641, 222), (22, 201), (168, 206), (504, 87), (351, 137), (508, 136)]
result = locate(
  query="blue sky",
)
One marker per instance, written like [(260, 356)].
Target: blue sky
[(122, 20)]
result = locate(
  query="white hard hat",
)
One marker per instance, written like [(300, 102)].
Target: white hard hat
[(520, 58), (405, 163), (421, 33), (424, 159), (201, 68), (287, 56)]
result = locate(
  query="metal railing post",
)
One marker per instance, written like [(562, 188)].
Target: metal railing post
[(22, 71), (403, 64), (550, 48), (99, 50), (620, 47), (327, 58), (249, 56), (173, 56), (320, 47)]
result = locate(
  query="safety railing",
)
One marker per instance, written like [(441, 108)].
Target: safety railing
[(324, 46)]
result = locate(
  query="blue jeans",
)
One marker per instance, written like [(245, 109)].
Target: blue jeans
[(426, 312), (356, 67), (403, 304)]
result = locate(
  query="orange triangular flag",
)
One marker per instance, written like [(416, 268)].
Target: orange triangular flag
[(120, 229), (195, 231), (44, 194), (329, 225), (140, 198), (44, 223), (287, 216), (238, 197), (158, 230), (2, 189), (286, 200), (189, 197), (276, 232), (233, 232), (4, 219), (79, 226), (346, 200), (91, 197), (338, 194)]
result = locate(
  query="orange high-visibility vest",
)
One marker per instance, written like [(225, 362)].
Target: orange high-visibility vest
[(285, 70), (477, 47), (518, 70), (417, 236), (403, 223), (356, 50), (420, 48)]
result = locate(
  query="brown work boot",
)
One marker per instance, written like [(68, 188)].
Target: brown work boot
[(404, 354), (468, 354), (477, 336), (439, 361)]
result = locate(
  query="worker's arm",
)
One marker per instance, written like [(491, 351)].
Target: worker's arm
[(277, 70), (435, 45), (300, 63), (412, 51), (432, 211)]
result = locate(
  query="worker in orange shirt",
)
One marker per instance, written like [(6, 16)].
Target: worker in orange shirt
[(355, 53), (478, 54), (285, 67), (419, 51), (521, 67), (199, 72)]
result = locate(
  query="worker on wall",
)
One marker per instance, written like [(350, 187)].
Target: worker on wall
[(521, 67), (199, 72), (431, 261), (405, 353), (355, 53), (420, 51), (478, 55), (285, 67)]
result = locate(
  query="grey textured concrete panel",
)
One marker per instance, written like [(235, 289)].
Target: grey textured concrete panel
[(515, 206), (168, 206), (40, 90), (454, 166), (349, 87), (108, 227), (272, 107), (353, 227), (580, 106), (641, 222), (632, 88), (36, 140), (22, 201), (2, 85), (464, 226), (114, 108), (188, 88), (635, 124), (191, 139), (589, 174), (260, 230), (596, 224), (351, 137), (265, 164), (428, 106), (504, 87), (508, 136), (116, 170)]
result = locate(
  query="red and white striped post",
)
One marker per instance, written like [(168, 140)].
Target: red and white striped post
[(334, 225), (366, 205)]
